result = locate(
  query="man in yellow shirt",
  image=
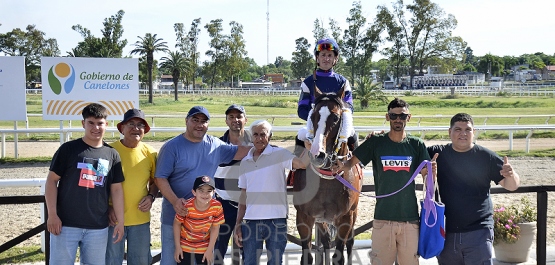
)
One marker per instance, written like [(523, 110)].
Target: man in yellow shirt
[(138, 161)]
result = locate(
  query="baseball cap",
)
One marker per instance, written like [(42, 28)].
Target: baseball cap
[(196, 110), (235, 107), (130, 114), (203, 180)]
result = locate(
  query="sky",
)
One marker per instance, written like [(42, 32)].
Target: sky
[(499, 27)]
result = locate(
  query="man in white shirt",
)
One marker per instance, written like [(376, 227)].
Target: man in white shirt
[(262, 215)]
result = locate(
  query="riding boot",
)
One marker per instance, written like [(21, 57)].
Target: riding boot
[(352, 142), (299, 147)]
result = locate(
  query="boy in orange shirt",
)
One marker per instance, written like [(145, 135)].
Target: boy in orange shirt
[(196, 233)]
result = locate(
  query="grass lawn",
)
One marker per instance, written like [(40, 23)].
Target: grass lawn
[(436, 110)]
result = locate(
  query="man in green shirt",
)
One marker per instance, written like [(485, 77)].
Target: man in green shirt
[(394, 156)]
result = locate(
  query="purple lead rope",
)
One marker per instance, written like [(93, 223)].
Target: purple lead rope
[(424, 163)]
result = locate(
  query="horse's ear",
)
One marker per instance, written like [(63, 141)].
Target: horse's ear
[(317, 91), (341, 92)]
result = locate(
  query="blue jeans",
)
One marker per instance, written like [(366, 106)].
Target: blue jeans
[(474, 247), (226, 230), (138, 246), (91, 243), (168, 246), (256, 232)]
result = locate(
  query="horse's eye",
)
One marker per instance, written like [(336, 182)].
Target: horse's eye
[(335, 118)]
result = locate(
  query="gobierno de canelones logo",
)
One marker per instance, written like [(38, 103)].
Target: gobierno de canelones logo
[(61, 75)]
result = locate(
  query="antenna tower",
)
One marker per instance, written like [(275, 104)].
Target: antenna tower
[(268, 32)]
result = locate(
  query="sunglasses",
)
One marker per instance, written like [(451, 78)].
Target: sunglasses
[(394, 116), (324, 47)]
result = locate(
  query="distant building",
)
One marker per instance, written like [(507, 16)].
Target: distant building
[(475, 77), (254, 84), (548, 73), (296, 83), (522, 74), (267, 81), (496, 83), (166, 82), (276, 79), (34, 85), (439, 80)]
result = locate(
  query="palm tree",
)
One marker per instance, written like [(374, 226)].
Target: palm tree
[(147, 46), (176, 64), (366, 90)]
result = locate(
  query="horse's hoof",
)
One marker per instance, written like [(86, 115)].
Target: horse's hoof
[(338, 259), (306, 259)]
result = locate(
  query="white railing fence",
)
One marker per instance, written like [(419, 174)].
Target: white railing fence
[(516, 90), (272, 118)]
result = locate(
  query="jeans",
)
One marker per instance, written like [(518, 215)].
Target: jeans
[(168, 246), (138, 246), (271, 231), (226, 230), (91, 243), (394, 240), (474, 247)]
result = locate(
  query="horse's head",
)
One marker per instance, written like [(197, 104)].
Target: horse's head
[(326, 120)]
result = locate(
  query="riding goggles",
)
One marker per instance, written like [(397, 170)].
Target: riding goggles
[(325, 47), (394, 116)]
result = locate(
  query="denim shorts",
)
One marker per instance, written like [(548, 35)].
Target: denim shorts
[(138, 246), (91, 243)]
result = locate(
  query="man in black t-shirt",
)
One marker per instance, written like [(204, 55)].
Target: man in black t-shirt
[(464, 173), (84, 174)]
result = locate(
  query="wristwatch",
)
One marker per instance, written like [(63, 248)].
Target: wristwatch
[(153, 197)]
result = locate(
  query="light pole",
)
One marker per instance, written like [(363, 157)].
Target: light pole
[(194, 46), (489, 69)]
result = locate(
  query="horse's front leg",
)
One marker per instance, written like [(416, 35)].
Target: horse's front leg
[(345, 237), (351, 240), (324, 236), (344, 149), (305, 224)]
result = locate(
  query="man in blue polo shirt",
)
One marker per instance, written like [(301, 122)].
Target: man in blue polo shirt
[(182, 159)]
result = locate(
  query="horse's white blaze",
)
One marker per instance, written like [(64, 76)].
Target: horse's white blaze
[(318, 143)]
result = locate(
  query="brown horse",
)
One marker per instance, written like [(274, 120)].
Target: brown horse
[(319, 197)]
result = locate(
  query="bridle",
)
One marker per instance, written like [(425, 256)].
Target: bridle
[(322, 163)]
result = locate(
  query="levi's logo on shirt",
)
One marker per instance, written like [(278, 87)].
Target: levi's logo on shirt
[(93, 172), (396, 163)]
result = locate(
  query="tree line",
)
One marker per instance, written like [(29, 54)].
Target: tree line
[(409, 36)]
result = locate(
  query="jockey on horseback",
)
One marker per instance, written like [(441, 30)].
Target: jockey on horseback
[(326, 80)]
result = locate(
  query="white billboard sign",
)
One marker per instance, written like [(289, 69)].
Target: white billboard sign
[(12, 89), (69, 84)]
